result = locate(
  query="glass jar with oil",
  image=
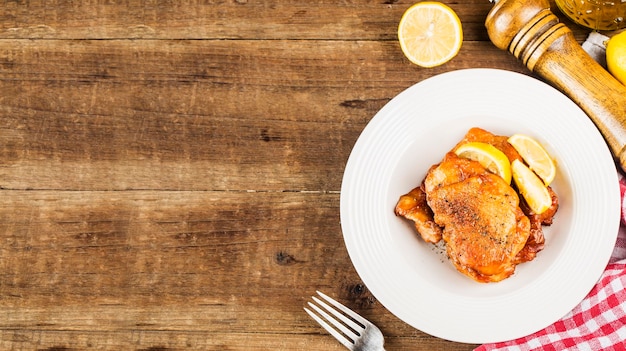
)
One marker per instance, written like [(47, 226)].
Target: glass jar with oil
[(595, 14)]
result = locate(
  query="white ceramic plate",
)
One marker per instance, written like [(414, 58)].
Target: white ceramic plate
[(413, 279)]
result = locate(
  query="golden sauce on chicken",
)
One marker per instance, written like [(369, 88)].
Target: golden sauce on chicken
[(485, 224)]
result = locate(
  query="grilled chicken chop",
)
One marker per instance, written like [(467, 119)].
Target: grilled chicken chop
[(477, 214), (483, 226)]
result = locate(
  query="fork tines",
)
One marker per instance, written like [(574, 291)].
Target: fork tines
[(351, 328)]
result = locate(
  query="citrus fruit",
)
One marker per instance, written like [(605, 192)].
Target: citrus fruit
[(531, 187), (488, 156), (430, 33), (535, 156), (616, 56)]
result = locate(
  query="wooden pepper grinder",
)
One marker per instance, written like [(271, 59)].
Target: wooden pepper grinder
[(533, 34)]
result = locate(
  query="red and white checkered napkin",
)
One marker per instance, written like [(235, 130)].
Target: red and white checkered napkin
[(598, 322)]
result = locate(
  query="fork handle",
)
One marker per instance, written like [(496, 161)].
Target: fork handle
[(533, 34)]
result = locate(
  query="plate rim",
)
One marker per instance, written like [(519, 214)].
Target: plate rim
[(370, 130)]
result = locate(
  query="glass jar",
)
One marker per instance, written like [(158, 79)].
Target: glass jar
[(595, 14)]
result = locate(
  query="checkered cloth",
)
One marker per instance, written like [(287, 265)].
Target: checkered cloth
[(598, 322)]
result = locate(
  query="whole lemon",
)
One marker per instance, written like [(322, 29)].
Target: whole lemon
[(616, 56)]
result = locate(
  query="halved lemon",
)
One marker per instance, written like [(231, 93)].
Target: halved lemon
[(531, 187), (430, 33), (616, 56), (488, 156), (535, 156)]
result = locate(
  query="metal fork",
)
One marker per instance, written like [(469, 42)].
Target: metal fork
[(356, 333)]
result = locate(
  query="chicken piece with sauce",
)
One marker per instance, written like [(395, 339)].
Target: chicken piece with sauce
[(487, 229)]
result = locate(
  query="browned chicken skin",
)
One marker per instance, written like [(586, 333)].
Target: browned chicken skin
[(413, 206), (486, 229), (483, 226)]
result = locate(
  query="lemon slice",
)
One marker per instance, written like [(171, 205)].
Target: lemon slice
[(430, 34), (488, 156), (616, 56), (535, 156), (531, 187)]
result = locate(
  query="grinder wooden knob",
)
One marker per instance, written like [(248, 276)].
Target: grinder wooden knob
[(533, 34)]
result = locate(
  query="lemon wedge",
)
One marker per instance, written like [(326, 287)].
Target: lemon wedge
[(430, 34), (531, 187), (488, 156), (616, 56), (535, 156)]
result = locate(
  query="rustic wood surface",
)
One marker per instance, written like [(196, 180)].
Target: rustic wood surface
[(170, 172)]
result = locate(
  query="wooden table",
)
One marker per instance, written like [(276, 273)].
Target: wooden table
[(170, 172)]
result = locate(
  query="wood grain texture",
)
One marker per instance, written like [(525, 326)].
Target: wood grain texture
[(217, 19), (191, 115), (223, 19), (170, 172)]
